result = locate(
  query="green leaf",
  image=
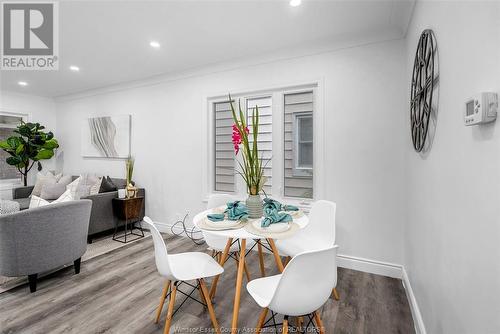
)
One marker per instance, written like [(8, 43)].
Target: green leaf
[(4, 145), (13, 142), (50, 144), (13, 161), (20, 149), (44, 154)]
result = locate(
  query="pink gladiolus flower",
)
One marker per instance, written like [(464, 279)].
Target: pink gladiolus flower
[(236, 139)]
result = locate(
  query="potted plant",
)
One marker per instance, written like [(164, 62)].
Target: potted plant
[(29, 146), (252, 167)]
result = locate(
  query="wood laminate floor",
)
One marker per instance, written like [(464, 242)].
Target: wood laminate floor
[(118, 293)]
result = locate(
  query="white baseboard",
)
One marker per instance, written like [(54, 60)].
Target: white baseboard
[(364, 265), (370, 266), (418, 321)]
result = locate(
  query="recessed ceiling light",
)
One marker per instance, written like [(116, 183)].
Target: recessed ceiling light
[(22, 83), (295, 3), (74, 68), (154, 44)]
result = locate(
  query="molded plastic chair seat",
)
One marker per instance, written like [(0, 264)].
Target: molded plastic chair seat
[(192, 266), (303, 287), (299, 244), (182, 267), (262, 289)]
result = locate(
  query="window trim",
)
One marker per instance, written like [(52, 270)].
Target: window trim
[(300, 171), (278, 91)]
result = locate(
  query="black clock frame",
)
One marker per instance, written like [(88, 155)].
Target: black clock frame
[(422, 88)]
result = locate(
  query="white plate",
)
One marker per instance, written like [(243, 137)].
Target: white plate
[(273, 228), (223, 223)]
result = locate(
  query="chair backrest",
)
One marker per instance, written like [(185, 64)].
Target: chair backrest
[(322, 222), (216, 200), (161, 254), (306, 282)]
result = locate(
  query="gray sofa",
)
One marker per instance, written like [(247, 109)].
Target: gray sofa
[(43, 239), (102, 218)]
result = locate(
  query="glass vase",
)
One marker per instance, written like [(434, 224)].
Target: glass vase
[(254, 205)]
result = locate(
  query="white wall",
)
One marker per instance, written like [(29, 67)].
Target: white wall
[(364, 112), (452, 236), (39, 109)]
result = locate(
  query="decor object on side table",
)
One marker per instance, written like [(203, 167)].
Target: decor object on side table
[(106, 137), (423, 83), (129, 210), (29, 146), (131, 189), (252, 168)]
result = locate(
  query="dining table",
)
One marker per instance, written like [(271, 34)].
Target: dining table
[(240, 236)]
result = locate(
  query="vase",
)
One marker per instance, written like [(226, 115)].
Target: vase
[(254, 205)]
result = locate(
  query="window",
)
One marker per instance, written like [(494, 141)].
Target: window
[(287, 134), (8, 122), (224, 152), (298, 180)]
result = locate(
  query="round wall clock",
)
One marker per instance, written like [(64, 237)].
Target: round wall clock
[(422, 88)]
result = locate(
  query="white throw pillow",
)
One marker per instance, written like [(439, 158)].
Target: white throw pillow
[(36, 202), (41, 180), (66, 197), (73, 187), (94, 189)]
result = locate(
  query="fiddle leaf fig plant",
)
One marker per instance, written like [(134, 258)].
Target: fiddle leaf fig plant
[(28, 147)]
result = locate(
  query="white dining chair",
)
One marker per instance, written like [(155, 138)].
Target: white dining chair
[(319, 233), (300, 291), (216, 243), (181, 268)]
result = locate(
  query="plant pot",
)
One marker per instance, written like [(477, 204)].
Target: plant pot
[(254, 205)]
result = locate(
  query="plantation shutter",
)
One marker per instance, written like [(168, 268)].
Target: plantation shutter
[(298, 109), (224, 152), (265, 138)]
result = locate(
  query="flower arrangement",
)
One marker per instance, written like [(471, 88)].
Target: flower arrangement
[(252, 167)]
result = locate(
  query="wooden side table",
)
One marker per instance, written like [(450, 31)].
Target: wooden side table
[(128, 209)]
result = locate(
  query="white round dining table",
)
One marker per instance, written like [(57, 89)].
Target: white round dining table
[(241, 235)]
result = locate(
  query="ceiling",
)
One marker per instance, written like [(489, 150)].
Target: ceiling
[(109, 40)]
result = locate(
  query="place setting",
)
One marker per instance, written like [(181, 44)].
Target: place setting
[(277, 219)]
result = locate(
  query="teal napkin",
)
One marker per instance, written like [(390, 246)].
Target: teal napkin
[(273, 216), (216, 217), (269, 202), (236, 211)]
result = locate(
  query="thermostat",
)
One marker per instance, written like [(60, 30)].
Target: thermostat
[(481, 108)]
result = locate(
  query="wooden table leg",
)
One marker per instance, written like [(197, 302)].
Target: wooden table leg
[(239, 279), (261, 259), (223, 259), (162, 300), (277, 257)]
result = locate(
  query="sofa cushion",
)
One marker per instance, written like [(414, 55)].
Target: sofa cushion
[(53, 191), (42, 180), (24, 203), (107, 185)]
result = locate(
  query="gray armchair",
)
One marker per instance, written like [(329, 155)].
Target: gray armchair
[(43, 239)]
